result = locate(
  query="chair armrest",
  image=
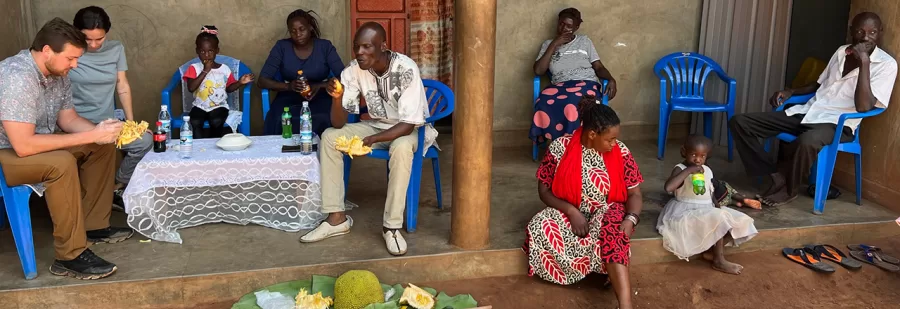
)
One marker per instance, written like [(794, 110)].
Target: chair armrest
[(537, 88), (797, 99), (265, 102), (603, 97), (840, 124)]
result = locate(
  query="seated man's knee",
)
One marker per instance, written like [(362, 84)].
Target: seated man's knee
[(331, 134), (63, 162), (737, 120), (403, 147)]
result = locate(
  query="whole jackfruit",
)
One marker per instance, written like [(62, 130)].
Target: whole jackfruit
[(357, 289)]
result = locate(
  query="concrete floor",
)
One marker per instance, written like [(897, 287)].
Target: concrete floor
[(223, 248)]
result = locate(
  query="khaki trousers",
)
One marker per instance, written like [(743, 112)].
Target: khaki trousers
[(79, 183), (332, 162)]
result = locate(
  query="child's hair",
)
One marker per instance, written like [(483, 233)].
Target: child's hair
[(694, 141), (311, 20), (208, 33), (595, 116)]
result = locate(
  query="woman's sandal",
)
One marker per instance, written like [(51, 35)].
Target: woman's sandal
[(884, 257), (749, 202), (831, 253), (873, 257)]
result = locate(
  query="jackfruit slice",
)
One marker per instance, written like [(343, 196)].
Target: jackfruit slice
[(352, 146), (305, 300), (417, 298)]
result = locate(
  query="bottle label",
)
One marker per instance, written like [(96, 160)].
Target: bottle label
[(187, 139), (159, 137), (166, 125)]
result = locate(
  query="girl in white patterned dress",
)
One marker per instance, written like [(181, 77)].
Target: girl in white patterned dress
[(692, 223)]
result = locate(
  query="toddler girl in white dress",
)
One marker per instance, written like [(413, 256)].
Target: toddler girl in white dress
[(692, 223)]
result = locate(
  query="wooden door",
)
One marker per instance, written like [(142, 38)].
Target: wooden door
[(391, 14)]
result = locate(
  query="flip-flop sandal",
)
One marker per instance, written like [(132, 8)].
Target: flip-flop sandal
[(831, 253), (870, 257), (808, 259), (876, 250)]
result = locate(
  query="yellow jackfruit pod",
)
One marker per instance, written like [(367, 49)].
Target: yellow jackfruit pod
[(417, 298)]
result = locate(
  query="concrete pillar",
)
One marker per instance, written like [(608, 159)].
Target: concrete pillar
[(476, 25)]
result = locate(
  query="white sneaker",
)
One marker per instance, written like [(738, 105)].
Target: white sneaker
[(395, 243), (326, 230)]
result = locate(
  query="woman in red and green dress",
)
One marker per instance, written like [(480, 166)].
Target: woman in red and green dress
[(590, 184)]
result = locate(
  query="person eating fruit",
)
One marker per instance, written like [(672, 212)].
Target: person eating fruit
[(396, 101), (96, 82)]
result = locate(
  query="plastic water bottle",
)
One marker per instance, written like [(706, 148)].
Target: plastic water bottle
[(305, 129), (187, 139), (166, 121), (287, 130)]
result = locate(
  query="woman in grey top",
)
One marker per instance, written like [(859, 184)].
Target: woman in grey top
[(575, 70), (99, 76)]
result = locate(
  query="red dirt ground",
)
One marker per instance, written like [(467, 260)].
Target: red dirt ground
[(768, 281)]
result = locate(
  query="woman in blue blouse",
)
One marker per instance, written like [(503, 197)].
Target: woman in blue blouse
[(316, 57)]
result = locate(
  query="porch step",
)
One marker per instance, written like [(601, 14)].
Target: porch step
[(222, 289)]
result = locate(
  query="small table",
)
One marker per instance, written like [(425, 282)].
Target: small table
[(259, 185)]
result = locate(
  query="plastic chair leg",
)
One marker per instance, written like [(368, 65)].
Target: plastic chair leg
[(20, 222), (347, 162), (858, 158), (707, 125), (2, 217), (412, 195), (824, 168), (730, 138), (663, 131), (436, 169), (534, 151)]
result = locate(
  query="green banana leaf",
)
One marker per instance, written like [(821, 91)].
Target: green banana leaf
[(325, 284), (290, 288)]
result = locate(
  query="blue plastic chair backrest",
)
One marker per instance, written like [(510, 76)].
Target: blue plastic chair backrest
[(686, 74), (440, 99), (234, 101)]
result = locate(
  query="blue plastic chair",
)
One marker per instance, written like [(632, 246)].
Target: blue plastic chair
[(686, 74), (15, 200), (535, 146), (822, 171), (244, 98), (440, 102)]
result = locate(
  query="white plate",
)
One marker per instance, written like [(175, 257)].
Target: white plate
[(233, 147)]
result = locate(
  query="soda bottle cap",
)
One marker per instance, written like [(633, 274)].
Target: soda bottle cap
[(163, 108), (159, 123), (305, 103), (186, 118), (287, 109)]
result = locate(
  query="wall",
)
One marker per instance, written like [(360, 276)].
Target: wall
[(817, 29), (878, 135), (159, 36), (14, 27), (630, 37)]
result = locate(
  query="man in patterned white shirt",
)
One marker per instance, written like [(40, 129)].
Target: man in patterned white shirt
[(395, 97), (859, 77), (44, 141)]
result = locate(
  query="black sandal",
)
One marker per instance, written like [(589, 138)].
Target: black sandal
[(806, 258)]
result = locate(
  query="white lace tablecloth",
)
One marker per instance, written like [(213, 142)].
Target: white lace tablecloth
[(258, 185)]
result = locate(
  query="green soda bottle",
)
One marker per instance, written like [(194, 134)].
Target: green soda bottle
[(698, 181), (287, 130)]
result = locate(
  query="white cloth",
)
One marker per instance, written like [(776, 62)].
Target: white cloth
[(258, 185), (835, 94), (691, 224), (396, 96)]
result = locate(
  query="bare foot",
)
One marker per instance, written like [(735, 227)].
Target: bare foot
[(727, 267), (781, 197)]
